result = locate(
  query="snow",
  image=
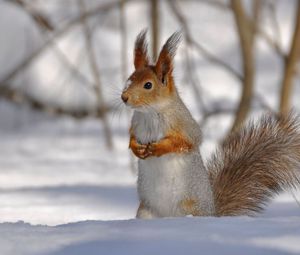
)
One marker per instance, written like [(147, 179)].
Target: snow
[(63, 192), (57, 173), (64, 175), (230, 236)]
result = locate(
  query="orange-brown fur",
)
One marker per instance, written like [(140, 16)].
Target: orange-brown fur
[(141, 57), (141, 206), (160, 75), (190, 207), (174, 142), (252, 165), (138, 96), (139, 150)]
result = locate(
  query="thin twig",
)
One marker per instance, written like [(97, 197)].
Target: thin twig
[(60, 54), (213, 112), (96, 74), (193, 43), (43, 21), (214, 3), (19, 97), (56, 35), (123, 30), (192, 75), (124, 61), (277, 42)]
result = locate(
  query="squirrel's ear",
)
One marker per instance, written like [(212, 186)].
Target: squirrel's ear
[(141, 58), (164, 63)]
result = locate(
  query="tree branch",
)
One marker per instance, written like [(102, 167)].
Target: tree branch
[(215, 3), (39, 18), (96, 73), (18, 97), (155, 17), (246, 30), (56, 35), (290, 66), (191, 42)]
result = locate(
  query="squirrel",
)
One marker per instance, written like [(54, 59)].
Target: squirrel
[(250, 167)]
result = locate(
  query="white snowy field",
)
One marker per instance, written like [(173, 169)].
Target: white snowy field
[(61, 172), (169, 236), (63, 193)]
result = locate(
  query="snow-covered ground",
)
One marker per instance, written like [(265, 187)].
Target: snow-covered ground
[(230, 236), (59, 173)]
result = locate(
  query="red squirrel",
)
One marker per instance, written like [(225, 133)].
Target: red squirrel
[(250, 167)]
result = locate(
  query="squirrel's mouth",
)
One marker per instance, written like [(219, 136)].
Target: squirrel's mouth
[(138, 108)]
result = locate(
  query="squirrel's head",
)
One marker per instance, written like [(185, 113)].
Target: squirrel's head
[(151, 85)]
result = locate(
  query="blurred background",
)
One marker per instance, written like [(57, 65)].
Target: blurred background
[(63, 130)]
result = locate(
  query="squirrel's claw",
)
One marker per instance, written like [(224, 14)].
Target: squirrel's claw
[(151, 149), (140, 151)]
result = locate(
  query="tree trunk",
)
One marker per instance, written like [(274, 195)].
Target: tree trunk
[(155, 27), (246, 31), (290, 67)]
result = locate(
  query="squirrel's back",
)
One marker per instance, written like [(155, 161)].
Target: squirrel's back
[(255, 163)]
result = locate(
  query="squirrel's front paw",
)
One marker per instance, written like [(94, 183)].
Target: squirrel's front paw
[(140, 150), (153, 149)]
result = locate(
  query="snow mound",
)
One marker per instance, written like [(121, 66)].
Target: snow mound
[(230, 236)]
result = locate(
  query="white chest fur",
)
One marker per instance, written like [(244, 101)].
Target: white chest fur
[(148, 127), (160, 181)]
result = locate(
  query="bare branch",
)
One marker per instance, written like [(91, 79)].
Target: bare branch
[(39, 18), (190, 41), (214, 3), (218, 110), (192, 75), (56, 35), (213, 112), (155, 18), (272, 42), (18, 97), (60, 54), (290, 66), (96, 73), (277, 43), (72, 67), (246, 30), (123, 30)]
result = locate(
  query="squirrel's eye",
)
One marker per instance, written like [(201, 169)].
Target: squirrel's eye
[(148, 85)]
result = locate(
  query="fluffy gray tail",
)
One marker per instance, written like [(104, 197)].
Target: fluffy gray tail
[(254, 164)]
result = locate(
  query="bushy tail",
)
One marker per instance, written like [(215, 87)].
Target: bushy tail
[(254, 164)]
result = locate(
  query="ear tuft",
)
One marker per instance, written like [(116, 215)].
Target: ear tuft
[(172, 43), (141, 58), (164, 63)]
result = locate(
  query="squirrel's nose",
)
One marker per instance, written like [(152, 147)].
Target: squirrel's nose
[(124, 98)]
